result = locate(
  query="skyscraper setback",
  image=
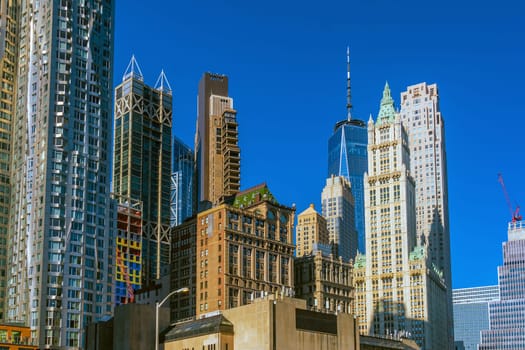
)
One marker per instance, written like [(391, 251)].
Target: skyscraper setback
[(421, 117), (398, 289), (216, 141), (142, 165), (507, 315), (60, 248)]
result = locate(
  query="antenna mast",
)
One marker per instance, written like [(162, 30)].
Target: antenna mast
[(348, 91)]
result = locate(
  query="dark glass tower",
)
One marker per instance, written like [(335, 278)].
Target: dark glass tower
[(181, 201), (347, 156), (142, 162)]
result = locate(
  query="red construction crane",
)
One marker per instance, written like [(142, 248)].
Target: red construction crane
[(515, 214)]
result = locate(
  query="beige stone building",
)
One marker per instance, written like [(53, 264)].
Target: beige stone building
[(421, 116), (267, 323), (398, 289), (325, 282), (311, 231), (244, 248)]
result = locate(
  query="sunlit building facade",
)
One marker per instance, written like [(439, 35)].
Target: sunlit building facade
[(60, 244), (216, 141), (311, 232), (398, 290), (471, 313), (244, 250), (338, 210), (507, 315), (8, 79), (325, 282), (421, 116)]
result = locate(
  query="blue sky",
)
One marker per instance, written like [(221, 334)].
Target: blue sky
[(287, 69)]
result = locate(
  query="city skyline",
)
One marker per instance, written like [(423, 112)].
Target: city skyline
[(280, 70)]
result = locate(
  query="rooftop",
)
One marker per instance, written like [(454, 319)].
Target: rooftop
[(208, 325)]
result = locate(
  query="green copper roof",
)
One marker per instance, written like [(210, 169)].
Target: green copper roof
[(418, 253), (254, 195), (387, 113), (360, 261)]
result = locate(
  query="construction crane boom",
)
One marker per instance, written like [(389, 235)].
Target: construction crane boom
[(515, 214)]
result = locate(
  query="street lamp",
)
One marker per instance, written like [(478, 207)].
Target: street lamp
[(158, 305)]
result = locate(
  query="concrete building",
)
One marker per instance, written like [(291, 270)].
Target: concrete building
[(507, 315), (369, 342), (421, 116), (182, 183), (60, 245), (8, 78), (131, 328), (216, 141), (347, 157), (244, 248), (398, 289), (338, 210), (142, 161), (325, 282), (311, 232), (267, 323), (471, 313)]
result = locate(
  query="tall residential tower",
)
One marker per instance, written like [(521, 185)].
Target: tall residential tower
[(347, 156), (8, 74), (60, 252), (142, 164)]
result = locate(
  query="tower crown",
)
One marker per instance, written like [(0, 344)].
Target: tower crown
[(387, 112), (133, 70)]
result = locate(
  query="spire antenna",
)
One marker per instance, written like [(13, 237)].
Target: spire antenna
[(162, 83), (348, 89), (133, 70)]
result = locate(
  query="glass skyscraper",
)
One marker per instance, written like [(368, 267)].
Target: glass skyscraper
[(142, 164), (471, 313), (507, 315), (347, 156), (181, 200), (60, 242)]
